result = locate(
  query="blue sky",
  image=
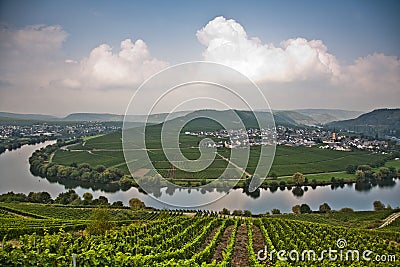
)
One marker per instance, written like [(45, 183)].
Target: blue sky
[(358, 39), (349, 28)]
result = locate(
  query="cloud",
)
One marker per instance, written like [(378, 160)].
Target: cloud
[(130, 66), (227, 42), (70, 61), (34, 56), (303, 69), (33, 68), (30, 55), (376, 72), (32, 41)]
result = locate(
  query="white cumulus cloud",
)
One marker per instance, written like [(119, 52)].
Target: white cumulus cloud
[(376, 72), (130, 66), (227, 42)]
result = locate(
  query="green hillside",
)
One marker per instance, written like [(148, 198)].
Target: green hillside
[(378, 122), (107, 150)]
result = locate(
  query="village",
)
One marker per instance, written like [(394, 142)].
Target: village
[(14, 135), (288, 136)]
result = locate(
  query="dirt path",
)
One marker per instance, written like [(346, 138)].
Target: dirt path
[(258, 239), (208, 239), (140, 172), (235, 165), (218, 257), (312, 174), (17, 214), (390, 219), (240, 255)]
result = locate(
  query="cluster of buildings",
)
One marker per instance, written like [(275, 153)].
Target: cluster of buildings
[(287, 136), (13, 132), (236, 138)]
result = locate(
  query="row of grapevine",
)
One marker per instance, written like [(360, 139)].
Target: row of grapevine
[(181, 241), (302, 236)]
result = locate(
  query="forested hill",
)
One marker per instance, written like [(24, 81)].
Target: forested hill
[(380, 121)]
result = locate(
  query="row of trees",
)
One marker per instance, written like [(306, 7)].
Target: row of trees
[(324, 208), (40, 165), (69, 197), (17, 143)]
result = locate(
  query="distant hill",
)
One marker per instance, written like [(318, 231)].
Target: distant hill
[(154, 118), (379, 122), (300, 117), (294, 117), (28, 116), (93, 117), (323, 116), (199, 120)]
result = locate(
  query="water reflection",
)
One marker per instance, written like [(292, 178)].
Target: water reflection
[(15, 176)]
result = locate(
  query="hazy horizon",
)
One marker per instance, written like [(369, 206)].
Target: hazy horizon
[(274, 110)]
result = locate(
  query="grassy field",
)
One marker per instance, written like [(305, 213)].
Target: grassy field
[(318, 163), (393, 163)]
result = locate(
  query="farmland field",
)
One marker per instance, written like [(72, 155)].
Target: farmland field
[(161, 238), (107, 150)]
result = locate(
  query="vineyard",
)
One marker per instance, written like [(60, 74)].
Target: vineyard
[(107, 150), (204, 239)]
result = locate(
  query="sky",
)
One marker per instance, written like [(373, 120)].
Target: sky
[(60, 57)]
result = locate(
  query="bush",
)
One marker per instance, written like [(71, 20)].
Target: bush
[(346, 210)]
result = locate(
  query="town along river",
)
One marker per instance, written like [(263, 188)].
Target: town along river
[(15, 176)]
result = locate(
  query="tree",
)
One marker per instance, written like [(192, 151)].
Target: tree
[(136, 204), (296, 209), (298, 191), (100, 168), (100, 222), (101, 201), (298, 178), (346, 210), (273, 175), (84, 167), (275, 211), (351, 169), (40, 197), (304, 208), (67, 197), (378, 205), (237, 213), (273, 186), (117, 204), (324, 208), (87, 196), (360, 175), (225, 211), (247, 213)]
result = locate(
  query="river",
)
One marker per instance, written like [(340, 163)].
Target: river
[(15, 176)]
